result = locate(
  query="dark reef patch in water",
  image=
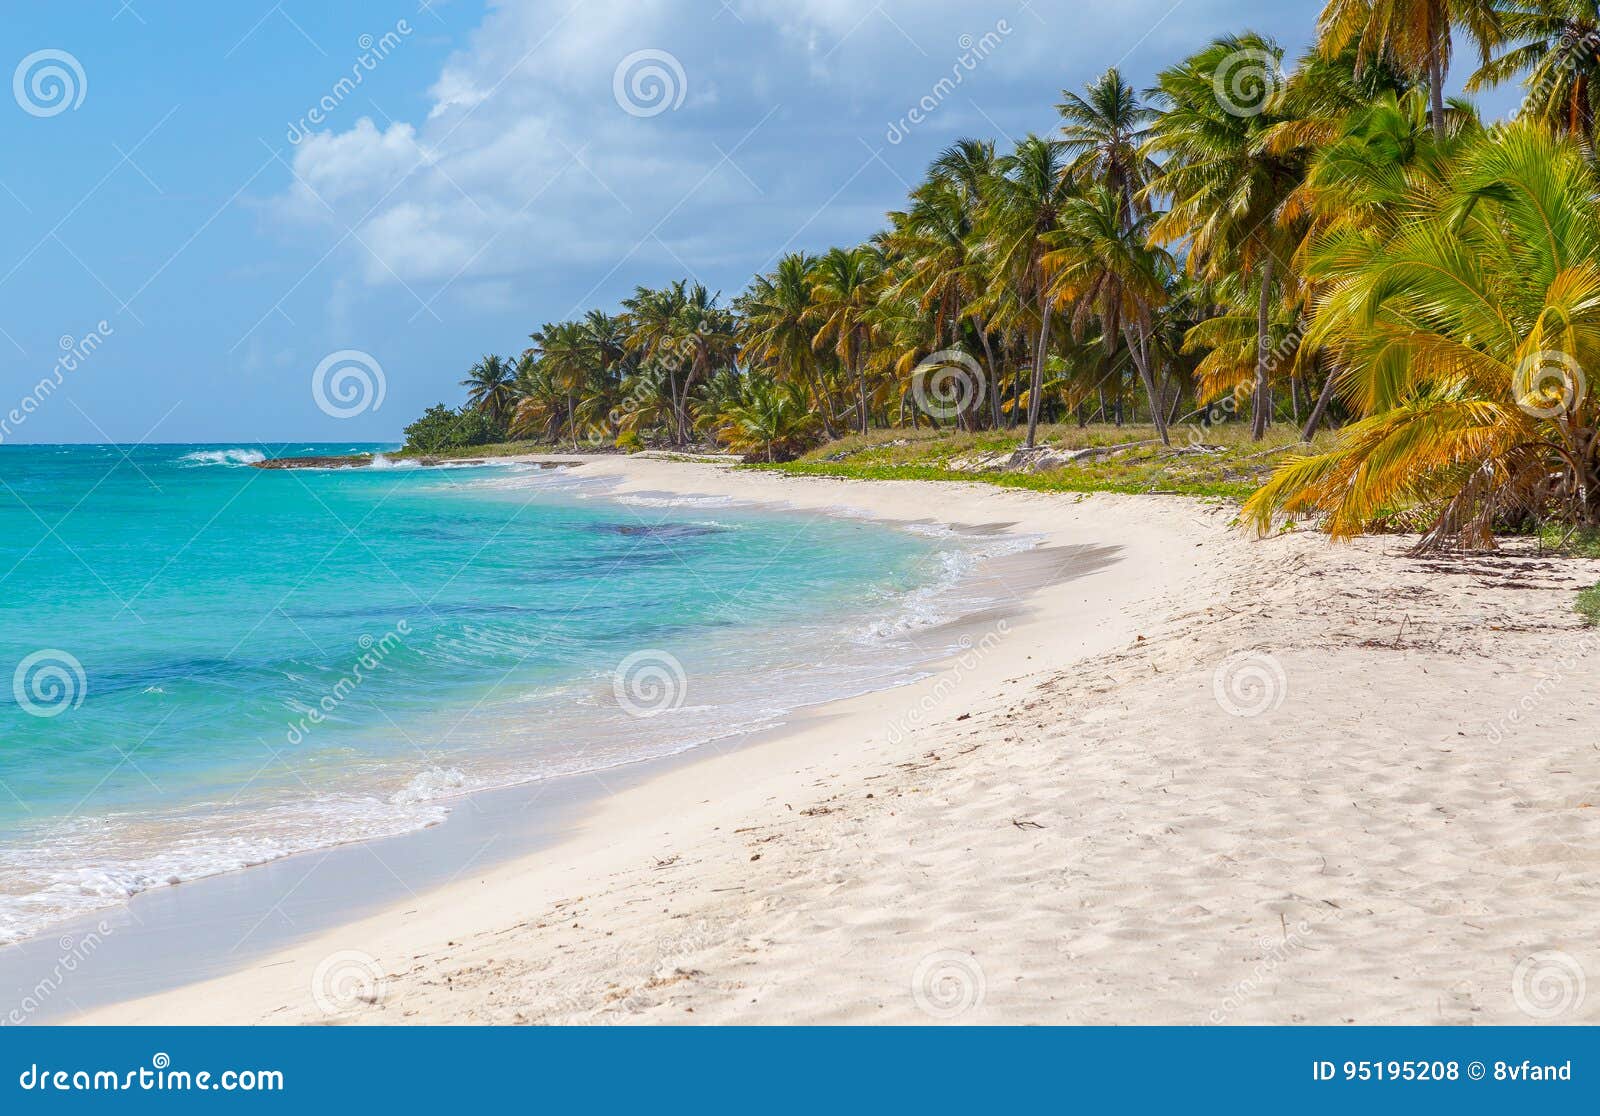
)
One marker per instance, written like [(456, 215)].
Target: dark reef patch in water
[(664, 531)]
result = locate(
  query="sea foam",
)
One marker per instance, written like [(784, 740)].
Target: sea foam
[(232, 457)]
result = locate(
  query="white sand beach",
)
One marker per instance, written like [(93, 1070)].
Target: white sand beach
[(1195, 778)]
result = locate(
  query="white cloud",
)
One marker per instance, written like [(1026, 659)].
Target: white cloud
[(525, 164)]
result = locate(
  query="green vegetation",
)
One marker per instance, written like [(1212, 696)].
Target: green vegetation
[(1588, 604), (480, 449), (1314, 284), (442, 430), (1135, 461), (1579, 542)]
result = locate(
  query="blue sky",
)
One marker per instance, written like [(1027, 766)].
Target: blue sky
[(489, 172)]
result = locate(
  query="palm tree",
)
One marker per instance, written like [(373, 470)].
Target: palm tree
[(1411, 35), (772, 419), (1101, 264), (569, 357), (1103, 136), (776, 315), (968, 164), (965, 169), (1022, 209), (538, 409), (647, 400), (933, 247), (653, 317), (1556, 43), (706, 335), (491, 389), (1227, 186), (843, 293), (1467, 333)]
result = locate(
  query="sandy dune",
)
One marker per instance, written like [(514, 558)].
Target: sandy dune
[(1198, 778)]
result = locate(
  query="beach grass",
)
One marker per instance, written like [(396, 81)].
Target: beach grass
[(1588, 605), (1221, 461), (1580, 542), (493, 449)]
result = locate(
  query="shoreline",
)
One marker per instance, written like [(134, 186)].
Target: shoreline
[(655, 478), (169, 937), (1067, 824), (912, 622)]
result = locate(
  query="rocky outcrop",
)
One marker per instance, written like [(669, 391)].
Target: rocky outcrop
[(350, 461), (1038, 459)]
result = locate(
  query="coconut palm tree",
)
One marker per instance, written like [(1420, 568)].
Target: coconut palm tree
[(539, 410), (491, 389), (570, 358), (1555, 46), (967, 167), (1467, 334), (1101, 264), (1414, 36), (706, 335), (1023, 207), (933, 246), (653, 326), (772, 419), (843, 293), (1103, 136), (1227, 186), (776, 327)]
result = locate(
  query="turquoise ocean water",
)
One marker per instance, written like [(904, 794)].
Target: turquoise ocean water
[(205, 666)]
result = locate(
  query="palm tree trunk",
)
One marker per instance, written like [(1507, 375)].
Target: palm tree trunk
[(1141, 359), (1323, 397), (672, 388), (696, 366), (861, 390), (572, 424), (1016, 394), (994, 375), (826, 412), (1036, 382), (1263, 402), (1436, 81)]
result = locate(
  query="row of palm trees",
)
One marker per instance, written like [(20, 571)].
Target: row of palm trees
[(1339, 245)]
